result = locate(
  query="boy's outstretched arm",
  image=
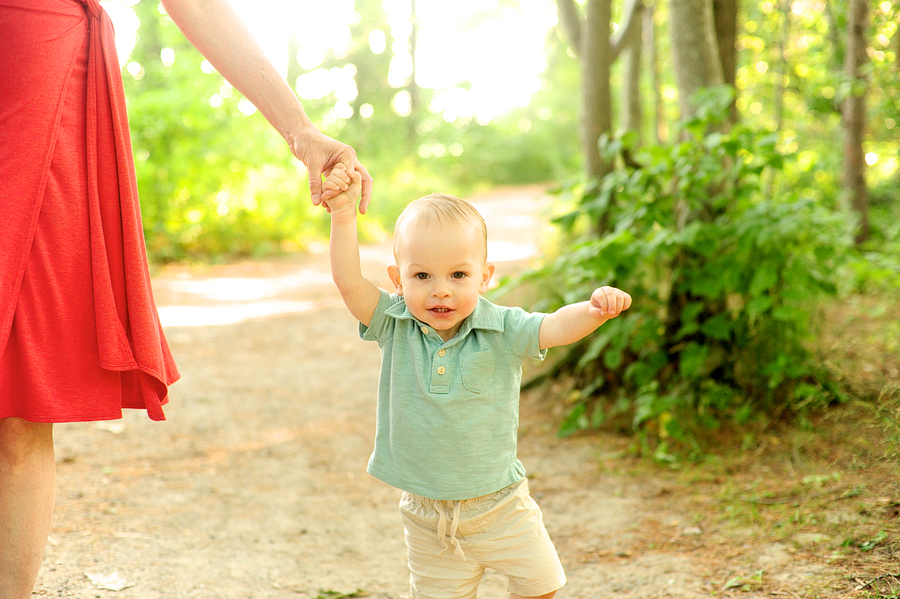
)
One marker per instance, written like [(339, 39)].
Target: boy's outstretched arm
[(360, 295), (575, 321)]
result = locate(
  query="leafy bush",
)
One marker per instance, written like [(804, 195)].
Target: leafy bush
[(877, 267), (726, 266)]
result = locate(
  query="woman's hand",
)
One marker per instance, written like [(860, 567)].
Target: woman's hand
[(321, 154)]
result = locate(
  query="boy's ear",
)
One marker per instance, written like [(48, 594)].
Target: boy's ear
[(486, 274), (394, 274)]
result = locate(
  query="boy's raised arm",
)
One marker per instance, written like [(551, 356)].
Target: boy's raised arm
[(575, 321), (360, 295)]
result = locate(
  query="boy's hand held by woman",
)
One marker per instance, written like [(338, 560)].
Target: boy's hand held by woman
[(341, 190)]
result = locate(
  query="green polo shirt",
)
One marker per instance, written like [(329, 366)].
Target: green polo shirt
[(448, 412)]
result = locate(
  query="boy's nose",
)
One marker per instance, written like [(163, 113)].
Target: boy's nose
[(440, 289)]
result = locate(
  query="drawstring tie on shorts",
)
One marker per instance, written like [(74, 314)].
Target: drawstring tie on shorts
[(454, 525)]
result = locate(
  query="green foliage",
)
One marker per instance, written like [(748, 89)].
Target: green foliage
[(877, 265), (214, 178), (795, 56), (726, 264), (217, 182)]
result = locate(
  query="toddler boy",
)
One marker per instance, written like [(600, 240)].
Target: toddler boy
[(448, 396)]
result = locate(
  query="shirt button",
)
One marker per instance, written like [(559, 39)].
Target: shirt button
[(441, 370), (424, 330), (442, 353)]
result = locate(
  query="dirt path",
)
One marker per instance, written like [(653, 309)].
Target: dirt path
[(255, 486)]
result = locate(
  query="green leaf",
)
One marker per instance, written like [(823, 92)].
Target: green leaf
[(574, 422), (765, 277), (759, 305), (613, 358), (787, 314), (692, 358), (709, 287), (718, 327)]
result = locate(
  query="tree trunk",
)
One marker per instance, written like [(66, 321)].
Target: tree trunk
[(725, 16), (570, 21), (632, 115), (596, 58), (854, 117), (782, 68), (695, 53), (661, 128)]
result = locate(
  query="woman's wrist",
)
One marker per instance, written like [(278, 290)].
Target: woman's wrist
[(299, 132)]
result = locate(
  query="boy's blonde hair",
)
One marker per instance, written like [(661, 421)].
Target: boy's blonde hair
[(441, 208)]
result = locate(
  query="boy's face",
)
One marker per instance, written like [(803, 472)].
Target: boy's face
[(440, 272)]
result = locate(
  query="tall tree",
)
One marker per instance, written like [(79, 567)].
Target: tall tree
[(660, 128), (725, 18), (589, 37), (781, 67), (695, 50), (854, 116), (632, 55)]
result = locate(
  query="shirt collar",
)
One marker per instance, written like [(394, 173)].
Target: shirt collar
[(486, 316)]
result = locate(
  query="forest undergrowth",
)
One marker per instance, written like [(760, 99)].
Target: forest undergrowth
[(825, 489)]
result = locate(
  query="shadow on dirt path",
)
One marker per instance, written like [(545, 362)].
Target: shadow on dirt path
[(255, 486)]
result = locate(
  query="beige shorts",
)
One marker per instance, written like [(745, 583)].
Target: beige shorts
[(451, 543)]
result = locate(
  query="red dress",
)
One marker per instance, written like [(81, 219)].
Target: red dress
[(80, 337)]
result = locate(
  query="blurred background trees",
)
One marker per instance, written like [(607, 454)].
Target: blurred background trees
[(734, 164), (796, 66)]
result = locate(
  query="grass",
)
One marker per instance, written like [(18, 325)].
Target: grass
[(828, 489), (824, 499)]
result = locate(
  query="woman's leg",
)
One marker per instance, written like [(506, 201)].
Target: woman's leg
[(27, 497)]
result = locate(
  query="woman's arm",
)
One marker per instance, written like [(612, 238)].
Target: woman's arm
[(217, 31)]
